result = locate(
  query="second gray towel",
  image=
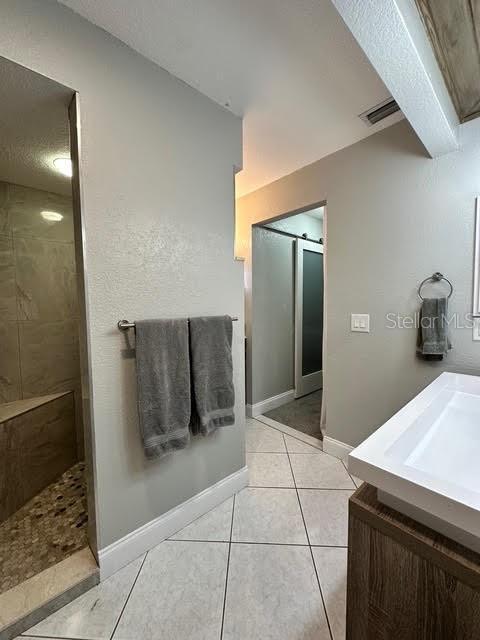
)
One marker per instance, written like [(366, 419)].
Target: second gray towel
[(433, 342), (163, 380), (212, 373)]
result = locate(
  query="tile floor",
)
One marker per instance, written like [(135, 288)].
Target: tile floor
[(268, 563)]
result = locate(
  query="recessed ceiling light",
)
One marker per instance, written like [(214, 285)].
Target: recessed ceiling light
[(64, 166), (51, 216)]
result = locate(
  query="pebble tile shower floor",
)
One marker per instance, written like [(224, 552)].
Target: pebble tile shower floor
[(270, 562), (46, 530)]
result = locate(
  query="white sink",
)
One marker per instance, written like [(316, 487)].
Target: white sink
[(425, 461)]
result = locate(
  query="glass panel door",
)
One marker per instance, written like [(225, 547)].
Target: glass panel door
[(308, 317)]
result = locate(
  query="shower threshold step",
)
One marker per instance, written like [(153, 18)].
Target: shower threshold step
[(41, 595)]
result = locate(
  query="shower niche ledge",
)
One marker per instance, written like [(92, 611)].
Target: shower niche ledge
[(37, 444)]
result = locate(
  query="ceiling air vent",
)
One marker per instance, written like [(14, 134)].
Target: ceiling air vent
[(379, 112)]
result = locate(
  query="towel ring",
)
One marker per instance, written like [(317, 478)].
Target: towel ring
[(436, 277)]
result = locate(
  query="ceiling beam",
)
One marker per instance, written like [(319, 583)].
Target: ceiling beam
[(392, 35), (454, 30)]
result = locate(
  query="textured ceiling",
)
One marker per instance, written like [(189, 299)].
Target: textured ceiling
[(290, 68), (33, 128)]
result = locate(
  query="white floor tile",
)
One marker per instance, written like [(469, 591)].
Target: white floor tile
[(268, 515), (320, 471), (297, 446), (253, 422), (295, 433), (213, 526), (326, 516), (269, 470), (273, 593), (261, 438), (178, 594), (331, 566), (94, 614)]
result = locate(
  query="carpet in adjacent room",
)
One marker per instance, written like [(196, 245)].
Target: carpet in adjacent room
[(302, 414)]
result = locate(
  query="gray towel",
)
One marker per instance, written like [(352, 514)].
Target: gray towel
[(433, 342), (212, 373), (163, 381)]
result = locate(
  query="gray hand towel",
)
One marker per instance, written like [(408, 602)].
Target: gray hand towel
[(433, 342), (212, 373), (163, 381)]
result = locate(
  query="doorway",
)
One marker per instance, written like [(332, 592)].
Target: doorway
[(47, 521), (285, 368)]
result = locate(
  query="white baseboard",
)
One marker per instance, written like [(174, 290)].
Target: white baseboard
[(336, 448), (134, 544), (259, 408), (295, 433)]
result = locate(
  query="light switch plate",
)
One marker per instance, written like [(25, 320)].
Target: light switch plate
[(360, 322)]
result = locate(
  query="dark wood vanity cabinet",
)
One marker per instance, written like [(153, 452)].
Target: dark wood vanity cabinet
[(406, 582)]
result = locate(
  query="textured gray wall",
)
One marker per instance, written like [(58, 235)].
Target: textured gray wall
[(394, 216), (157, 165)]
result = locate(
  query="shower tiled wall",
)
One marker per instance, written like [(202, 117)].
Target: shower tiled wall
[(38, 301)]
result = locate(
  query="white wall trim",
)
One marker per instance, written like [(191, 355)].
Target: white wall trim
[(257, 409), (336, 448), (134, 544)]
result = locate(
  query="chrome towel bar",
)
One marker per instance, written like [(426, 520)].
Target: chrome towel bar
[(123, 325)]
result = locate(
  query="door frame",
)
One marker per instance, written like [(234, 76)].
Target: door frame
[(84, 332), (259, 221), (313, 381)]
